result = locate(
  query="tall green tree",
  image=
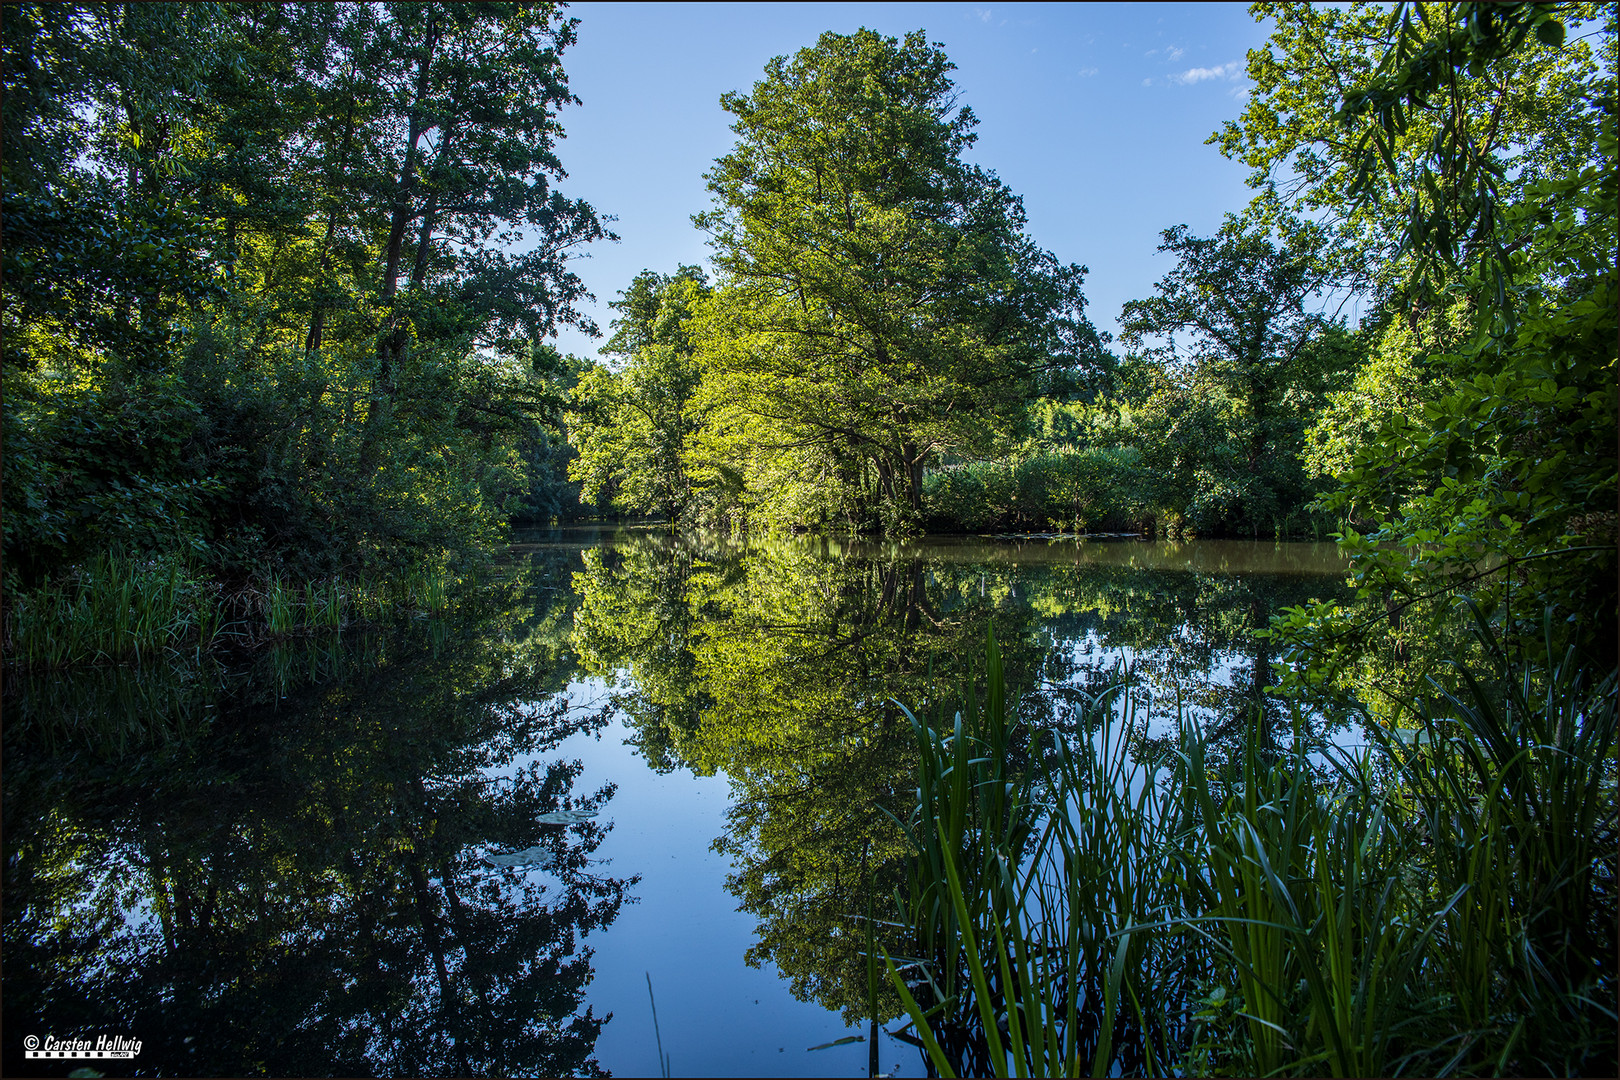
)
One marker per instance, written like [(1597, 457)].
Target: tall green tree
[(319, 342), (632, 425), (880, 303), (1234, 322)]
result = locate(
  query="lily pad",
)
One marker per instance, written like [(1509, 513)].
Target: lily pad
[(540, 857), (565, 817)]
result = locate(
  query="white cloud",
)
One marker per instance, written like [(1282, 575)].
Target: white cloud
[(1151, 52), (1086, 72), (1147, 82), (983, 13), (1233, 70), (1174, 53)]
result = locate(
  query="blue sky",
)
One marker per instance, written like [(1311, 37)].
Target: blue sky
[(1095, 113)]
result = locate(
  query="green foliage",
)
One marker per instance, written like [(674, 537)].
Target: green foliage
[(1331, 138), (1459, 221), (1066, 490), (880, 303), (1498, 482), (543, 454), (1439, 902), (112, 609), (1015, 909), (1198, 430), (1402, 373), (1239, 366), (118, 610), (265, 311), (634, 427)]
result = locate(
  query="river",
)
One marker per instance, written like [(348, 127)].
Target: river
[(633, 771)]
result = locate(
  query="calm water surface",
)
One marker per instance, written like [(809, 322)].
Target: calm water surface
[(468, 845)]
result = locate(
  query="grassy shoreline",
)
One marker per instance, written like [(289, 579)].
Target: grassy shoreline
[(114, 610)]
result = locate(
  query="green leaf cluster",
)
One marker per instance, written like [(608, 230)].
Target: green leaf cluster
[(635, 427), (1474, 453)]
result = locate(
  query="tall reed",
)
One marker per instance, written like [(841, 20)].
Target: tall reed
[(109, 609), (1439, 901), (1024, 908)]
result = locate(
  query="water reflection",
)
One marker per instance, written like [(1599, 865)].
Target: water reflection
[(281, 865), (779, 664), (280, 868)]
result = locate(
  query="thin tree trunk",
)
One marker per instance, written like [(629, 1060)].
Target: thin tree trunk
[(913, 460), (317, 320), (382, 388)]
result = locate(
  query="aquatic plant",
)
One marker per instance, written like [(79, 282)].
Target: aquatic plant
[(1440, 900), (120, 610), (1025, 909), (110, 608)]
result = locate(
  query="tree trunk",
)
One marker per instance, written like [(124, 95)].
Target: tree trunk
[(317, 319), (913, 460), (885, 474), (382, 387)]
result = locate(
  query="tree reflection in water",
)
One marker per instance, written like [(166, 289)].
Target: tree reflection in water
[(280, 869), (780, 664)]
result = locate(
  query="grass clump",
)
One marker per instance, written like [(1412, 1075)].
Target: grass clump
[(107, 609), (123, 610)]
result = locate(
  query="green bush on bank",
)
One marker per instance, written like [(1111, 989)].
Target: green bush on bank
[(1064, 490), (1107, 489)]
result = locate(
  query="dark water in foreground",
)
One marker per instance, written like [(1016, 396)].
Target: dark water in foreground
[(461, 846)]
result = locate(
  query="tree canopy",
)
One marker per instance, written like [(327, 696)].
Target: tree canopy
[(1250, 339), (1485, 98), (880, 304), (313, 348), (1498, 480), (634, 426)]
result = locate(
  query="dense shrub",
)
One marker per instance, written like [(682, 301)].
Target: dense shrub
[(1062, 490)]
